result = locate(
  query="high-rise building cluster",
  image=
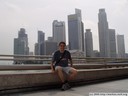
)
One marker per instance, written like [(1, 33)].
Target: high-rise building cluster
[(110, 44), (107, 38)]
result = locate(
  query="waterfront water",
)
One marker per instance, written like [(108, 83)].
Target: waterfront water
[(117, 86)]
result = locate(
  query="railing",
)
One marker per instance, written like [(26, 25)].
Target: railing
[(23, 62), (46, 59)]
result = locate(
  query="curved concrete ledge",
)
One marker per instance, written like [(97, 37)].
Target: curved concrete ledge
[(47, 66), (27, 79)]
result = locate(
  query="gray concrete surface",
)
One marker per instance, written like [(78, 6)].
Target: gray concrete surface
[(111, 86), (22, 79)]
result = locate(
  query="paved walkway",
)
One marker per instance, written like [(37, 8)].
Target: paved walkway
[(110, 86)]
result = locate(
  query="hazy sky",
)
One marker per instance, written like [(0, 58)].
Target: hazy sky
[(34, 15)]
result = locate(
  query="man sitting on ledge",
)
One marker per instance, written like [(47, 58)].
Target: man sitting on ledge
[(60, 64)]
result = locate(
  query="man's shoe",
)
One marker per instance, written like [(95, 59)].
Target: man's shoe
[(65, 86), (68, 86)]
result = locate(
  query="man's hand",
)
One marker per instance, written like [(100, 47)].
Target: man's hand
[(53, 71), (52, 68), (71, 63)]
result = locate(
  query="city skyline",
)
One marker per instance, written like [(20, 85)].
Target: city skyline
[(37, 15), (58, 29), (77, 41)]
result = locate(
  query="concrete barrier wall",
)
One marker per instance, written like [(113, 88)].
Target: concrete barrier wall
[(35, 79), (47, 66)]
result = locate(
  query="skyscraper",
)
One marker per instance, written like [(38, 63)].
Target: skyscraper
[(75, 31), (58, 31), (50, 47), (103, 34), (50, 39), (36, 50), (21, 43), (39, 46), (88, 43), (112, 41), (82, 27), (120, 46), (41, 37)]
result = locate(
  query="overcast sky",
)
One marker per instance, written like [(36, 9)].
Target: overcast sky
[(34, 15)]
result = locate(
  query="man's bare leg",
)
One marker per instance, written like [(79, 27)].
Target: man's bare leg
[(60, 73), (73, 73)]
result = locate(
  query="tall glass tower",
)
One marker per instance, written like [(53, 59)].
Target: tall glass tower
[(89, 43), (75, 31), (58, 31), (103, 34), (121, 46), (21, 43), (39, 46), (112, 39)]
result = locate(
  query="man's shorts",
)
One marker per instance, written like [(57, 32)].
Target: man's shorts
[(65, 69)]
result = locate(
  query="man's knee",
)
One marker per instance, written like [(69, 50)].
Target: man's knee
[(58, 69), (74, 71)]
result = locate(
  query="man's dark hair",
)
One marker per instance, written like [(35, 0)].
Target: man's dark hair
[(62, 43)]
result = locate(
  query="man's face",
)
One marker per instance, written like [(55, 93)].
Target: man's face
[(62, 47)]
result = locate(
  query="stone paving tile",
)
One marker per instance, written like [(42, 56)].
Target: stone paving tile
[(111, 86)]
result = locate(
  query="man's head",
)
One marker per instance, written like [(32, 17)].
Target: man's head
[(62, 46)]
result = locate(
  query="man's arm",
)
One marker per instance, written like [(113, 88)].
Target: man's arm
[(70, 60), (71, 63), (52, 67), (52, 63)]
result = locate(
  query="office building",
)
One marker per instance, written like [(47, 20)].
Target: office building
[(39, 46), (21, 43), (112, 41), (89, 43), (36, 50), (75, 31), (103, 34), (50, 39), (58, 31), (120, 46), (50, 47), (96, 53)]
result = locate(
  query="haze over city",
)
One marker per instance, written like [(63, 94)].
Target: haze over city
[(34, 15)]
